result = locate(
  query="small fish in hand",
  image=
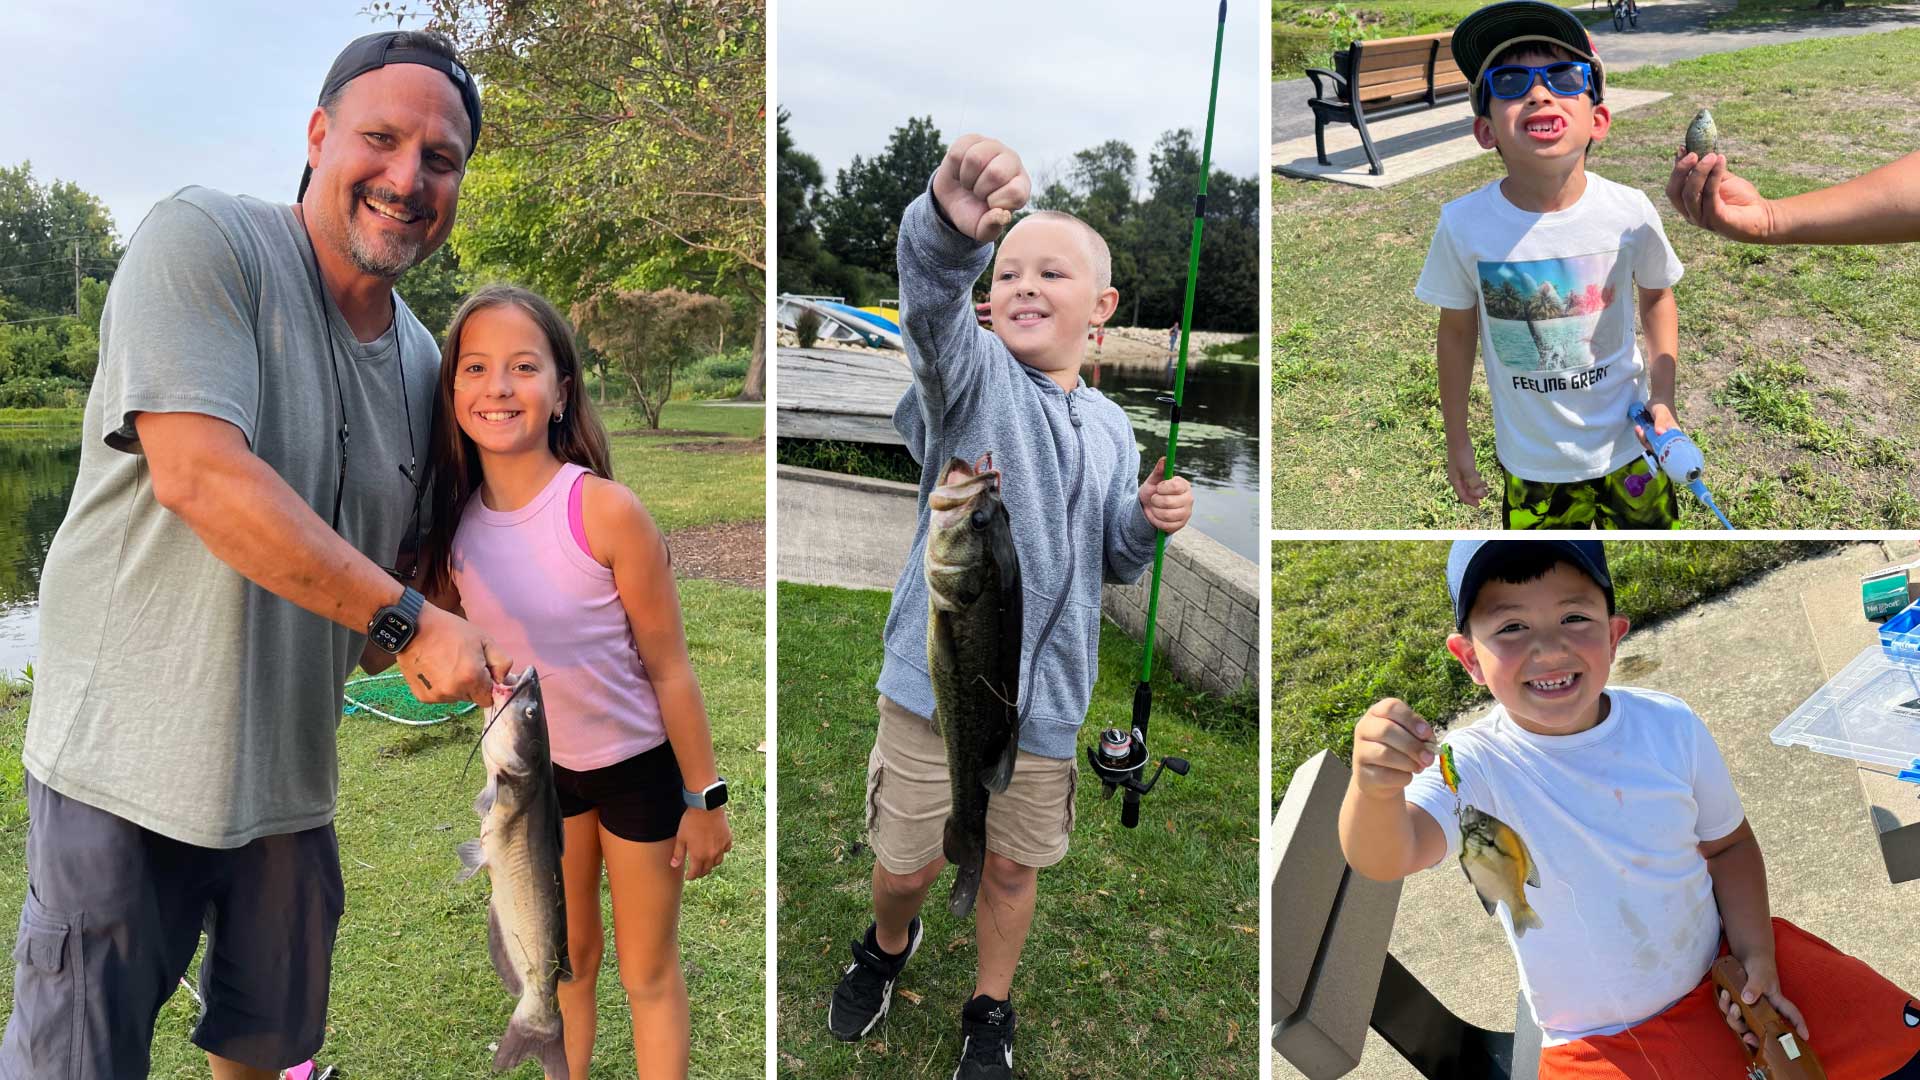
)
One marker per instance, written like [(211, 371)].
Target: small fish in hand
[(1703, 135), (1498, 864)]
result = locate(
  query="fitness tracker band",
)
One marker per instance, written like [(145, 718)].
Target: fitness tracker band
[(711, 797)]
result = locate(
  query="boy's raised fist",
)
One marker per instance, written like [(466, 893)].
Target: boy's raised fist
[(980, 185)]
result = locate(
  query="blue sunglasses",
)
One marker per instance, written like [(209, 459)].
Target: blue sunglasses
[(1567, 78)]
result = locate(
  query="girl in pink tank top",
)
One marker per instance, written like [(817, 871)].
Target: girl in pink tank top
[(535, 543)]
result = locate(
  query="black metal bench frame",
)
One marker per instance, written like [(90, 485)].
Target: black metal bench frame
[(1332, 101)]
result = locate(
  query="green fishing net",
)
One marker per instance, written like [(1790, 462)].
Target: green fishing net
[(386, 697)]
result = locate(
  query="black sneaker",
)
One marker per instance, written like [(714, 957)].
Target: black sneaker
[(986, 1040), (866, 987)]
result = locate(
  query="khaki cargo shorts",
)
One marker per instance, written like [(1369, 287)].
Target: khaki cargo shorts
[(909, 794)]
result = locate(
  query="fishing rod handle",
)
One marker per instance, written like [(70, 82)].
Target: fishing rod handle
[(1781, 1055)]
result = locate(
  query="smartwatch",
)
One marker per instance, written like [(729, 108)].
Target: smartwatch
[(393, 626), (712, 797)]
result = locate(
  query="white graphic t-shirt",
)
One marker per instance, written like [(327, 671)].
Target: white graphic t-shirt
[(1556, 299), (1612, 818)]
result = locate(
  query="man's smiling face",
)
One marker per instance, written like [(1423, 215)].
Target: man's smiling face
[(387, 159)]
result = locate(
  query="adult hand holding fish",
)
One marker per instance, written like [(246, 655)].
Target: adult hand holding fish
[(450, 659), (980, 184), (1878, 207)]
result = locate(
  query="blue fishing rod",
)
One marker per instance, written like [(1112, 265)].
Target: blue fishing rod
[(1121, 756)]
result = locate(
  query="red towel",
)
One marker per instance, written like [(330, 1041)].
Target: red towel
[(1862, 1026)]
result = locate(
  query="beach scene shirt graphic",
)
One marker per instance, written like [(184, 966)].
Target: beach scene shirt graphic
[(1554, 315), (1555, 299)]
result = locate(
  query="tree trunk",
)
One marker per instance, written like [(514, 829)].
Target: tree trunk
[(756, 387)]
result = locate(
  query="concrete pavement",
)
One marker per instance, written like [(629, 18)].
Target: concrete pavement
[(1669, 30), (1743, 661)]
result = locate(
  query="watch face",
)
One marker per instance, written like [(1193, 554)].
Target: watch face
[(391, 631), (717, 796)]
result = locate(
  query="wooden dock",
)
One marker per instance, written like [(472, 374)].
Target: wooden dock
[(841, 394)]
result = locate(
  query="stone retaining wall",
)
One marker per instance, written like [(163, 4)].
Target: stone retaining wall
[(851, 531)]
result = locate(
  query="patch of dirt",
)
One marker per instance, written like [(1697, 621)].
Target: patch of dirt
[(722, 446), (734, 552)]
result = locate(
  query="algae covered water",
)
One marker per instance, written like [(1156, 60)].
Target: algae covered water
[(37, 470), (1219, 451)]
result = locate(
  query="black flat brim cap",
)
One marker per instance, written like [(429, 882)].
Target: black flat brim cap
[(1482, 35), (1469, 563), (374, 51)]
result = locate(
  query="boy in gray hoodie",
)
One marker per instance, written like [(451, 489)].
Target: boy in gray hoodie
[(1069, 461)]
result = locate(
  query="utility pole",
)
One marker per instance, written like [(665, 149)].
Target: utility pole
[(76, 276)]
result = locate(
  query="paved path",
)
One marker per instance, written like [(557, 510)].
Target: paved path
[(1669, 30), (1743, 661)]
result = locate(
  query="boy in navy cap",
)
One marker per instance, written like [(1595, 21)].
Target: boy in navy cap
[(1602, 827), (1542, 269)]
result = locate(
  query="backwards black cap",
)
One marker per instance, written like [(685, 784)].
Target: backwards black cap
[(375, 51)]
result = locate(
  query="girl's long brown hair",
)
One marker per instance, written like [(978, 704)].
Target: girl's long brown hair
[(579, 437)]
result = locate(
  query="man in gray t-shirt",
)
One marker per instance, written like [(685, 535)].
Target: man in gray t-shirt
[(250, 463)]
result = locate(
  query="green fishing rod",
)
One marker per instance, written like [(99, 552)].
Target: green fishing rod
[(1121, 756)]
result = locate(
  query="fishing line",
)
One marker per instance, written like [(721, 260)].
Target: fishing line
[(1612, 999), (1450, 775)]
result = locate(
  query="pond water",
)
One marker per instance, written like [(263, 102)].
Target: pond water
[(37, 470), (1219, 450)]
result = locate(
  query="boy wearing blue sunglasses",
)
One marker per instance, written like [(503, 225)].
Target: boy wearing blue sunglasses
[(1541, 269)]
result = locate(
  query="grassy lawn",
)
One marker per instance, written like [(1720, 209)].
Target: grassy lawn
[(1797, 371), (1785, 14), (47, 418), (1134, 967), (1392, 596), (413, 992), (1303, 29), (704, 466)]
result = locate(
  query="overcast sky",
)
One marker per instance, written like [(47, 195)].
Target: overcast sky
[(1047, 77), (133, 99)]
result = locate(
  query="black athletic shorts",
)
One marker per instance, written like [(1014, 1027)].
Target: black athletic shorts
[(638, 799)]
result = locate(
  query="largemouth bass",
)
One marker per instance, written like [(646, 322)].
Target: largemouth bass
[(1703, 135), (520, 836), (1498, 864), (973, 651)]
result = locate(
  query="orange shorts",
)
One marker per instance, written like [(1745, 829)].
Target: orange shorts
[(1862, 1026)]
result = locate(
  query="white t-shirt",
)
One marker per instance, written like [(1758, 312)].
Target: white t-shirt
[(1611, 817), (1556, 301)]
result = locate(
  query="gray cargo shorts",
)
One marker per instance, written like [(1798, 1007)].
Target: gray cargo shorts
[(113, 914)]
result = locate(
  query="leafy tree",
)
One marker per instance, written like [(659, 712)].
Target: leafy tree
[(860, 223), (624, 145), (42, 228), (649, 336), (434, 290)]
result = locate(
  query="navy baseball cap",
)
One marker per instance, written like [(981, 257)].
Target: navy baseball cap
[(1471, 562), (1484, 34), (376, 51)]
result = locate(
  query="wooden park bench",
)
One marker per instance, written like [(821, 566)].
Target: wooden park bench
[(1332, 974), (1373, 80)]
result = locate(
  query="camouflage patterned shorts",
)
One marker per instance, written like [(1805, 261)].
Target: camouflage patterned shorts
[(1634, 496)]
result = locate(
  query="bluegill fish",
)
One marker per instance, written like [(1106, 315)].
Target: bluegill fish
[(973, 652), (1499, 866), (1703, 135), (520, 839)]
